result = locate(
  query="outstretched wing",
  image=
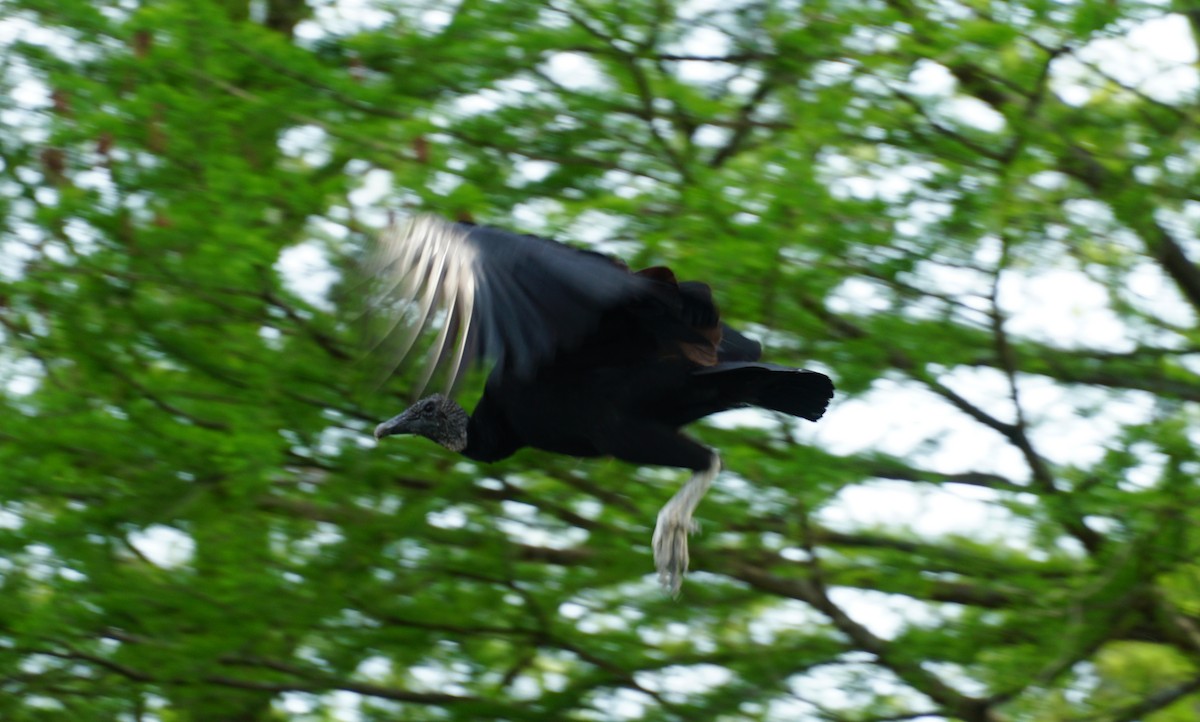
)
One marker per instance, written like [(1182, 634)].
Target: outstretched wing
[(511, 298)]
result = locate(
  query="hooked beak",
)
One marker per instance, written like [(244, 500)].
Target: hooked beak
[(400, 424)]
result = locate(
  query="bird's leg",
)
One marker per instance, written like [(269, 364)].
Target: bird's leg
[(670, 540)]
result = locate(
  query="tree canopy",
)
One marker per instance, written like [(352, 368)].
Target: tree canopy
[(979, 217)]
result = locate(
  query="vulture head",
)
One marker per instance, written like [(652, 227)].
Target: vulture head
[(435, 417)]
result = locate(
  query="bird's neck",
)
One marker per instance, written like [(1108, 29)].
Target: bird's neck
[(454, 428), (489, 437)]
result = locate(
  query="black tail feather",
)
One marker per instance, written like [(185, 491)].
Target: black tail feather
[(797, 392)]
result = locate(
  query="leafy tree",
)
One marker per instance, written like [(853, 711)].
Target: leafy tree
[(980, 217)]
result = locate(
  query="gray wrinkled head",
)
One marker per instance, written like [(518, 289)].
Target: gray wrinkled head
[(435, 417)]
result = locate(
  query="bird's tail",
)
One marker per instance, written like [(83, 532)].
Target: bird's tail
[(779, 388)]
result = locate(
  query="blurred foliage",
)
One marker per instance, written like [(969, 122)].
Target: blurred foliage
[(195, 525)]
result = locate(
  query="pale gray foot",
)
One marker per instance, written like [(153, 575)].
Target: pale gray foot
[(675, 523)]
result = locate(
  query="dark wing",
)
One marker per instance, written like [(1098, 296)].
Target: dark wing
[(702, 337), (680, 316), (511, 298)]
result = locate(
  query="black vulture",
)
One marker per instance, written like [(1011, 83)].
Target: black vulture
[(589, 358)]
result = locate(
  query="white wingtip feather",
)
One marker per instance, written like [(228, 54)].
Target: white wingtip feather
[(427, 262)]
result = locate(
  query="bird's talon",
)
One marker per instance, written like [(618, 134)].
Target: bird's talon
[(670, 544)]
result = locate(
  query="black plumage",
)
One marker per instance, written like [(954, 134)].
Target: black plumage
[(590, 359)]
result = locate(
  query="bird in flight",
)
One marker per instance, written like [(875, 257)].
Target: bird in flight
[(588, 358)]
